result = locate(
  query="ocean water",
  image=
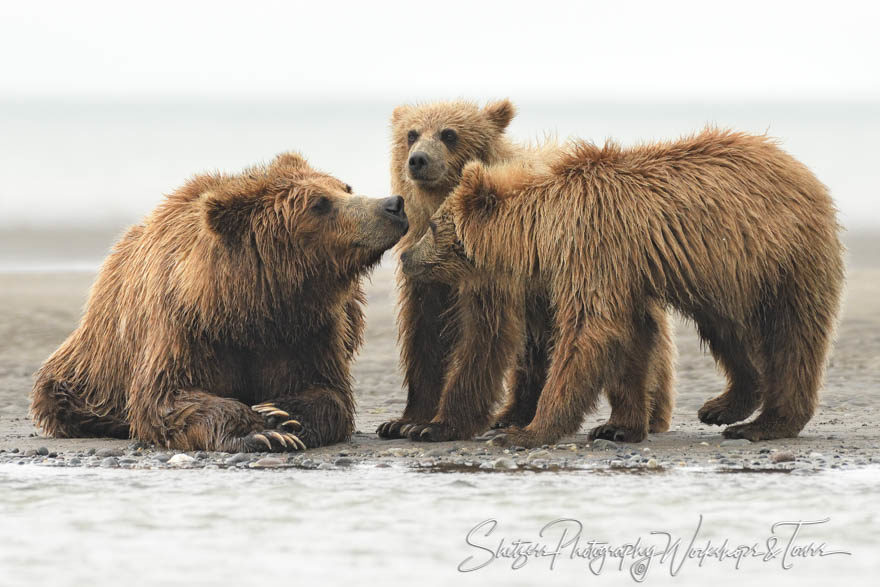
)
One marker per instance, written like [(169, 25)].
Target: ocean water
[(207, 527), (67, 162)]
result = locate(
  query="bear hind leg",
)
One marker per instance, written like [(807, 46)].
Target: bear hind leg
[(737, 358), (58, 408), (795, 342)]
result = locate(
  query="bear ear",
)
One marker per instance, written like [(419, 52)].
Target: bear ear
[(399, 112), (224, 214), (476, 189), (500, 113), (291, 160)]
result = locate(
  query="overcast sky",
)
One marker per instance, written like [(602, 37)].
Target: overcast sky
[(537, 48)]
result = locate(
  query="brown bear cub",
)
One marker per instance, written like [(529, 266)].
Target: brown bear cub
[(237, 290), (431, 145), (724, 227)]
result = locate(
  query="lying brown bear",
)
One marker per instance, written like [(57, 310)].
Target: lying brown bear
[(724, 227), (236, 290)]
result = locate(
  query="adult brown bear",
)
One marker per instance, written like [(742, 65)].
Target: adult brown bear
[(432, 143), (236, 290), (724, 227)]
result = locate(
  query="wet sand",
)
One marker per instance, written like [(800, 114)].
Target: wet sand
[(38, 309)]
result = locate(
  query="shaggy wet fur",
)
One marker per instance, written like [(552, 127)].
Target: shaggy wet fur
[(724, 227), (236, 290), (434, 318)]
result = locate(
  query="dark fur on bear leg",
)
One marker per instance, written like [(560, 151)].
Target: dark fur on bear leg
[(527, 378), (642, 381), (426, 337), (729, 346), (58, 408)]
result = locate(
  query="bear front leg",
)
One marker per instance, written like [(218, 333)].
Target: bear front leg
[(317, 416), (427, 335), (639, 385), (578, 361), (491, 330)]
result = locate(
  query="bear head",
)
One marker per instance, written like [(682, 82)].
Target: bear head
[(294, 217), (471, 235), (433, 142)]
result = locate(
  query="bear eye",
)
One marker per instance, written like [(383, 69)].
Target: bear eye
[(412, 136), (320, 205), (449, 137)]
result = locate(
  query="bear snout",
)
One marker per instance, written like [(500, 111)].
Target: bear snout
[(394, 206), (418, 162)]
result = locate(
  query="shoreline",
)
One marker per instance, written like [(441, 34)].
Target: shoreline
[(39, 309)]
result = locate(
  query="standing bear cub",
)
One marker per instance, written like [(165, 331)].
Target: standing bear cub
[(724, 227), (236, 291), (431, 145)]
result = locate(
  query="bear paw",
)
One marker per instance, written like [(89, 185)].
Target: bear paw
[(514, 436), (271, 441), (761, 430), (431, 432), (393, 429), (609, 431), (278, 418), (720, 411)]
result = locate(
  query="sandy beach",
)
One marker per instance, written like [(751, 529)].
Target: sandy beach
[(38, 308)]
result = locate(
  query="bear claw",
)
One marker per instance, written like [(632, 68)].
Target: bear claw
[(390, 430), (616, 433), (433, 432), (275, 441), (262, 438)]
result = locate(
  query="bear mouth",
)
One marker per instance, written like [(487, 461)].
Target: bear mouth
[(424, 180)]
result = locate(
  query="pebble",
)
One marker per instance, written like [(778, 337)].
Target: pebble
[(238, 457), (436, 452), (267, 463), (201, 455), (162, 457), (736, 442), (782, 457), (816, 455), (504, 463), (180, 459), (538, 454), (652, 464), (110, 462), (344, 462), (30, 453), (602, 444), (108, 452), (43, 451), (74, 461)]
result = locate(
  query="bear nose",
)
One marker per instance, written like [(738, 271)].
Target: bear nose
[(394, 206), (418, 161)]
